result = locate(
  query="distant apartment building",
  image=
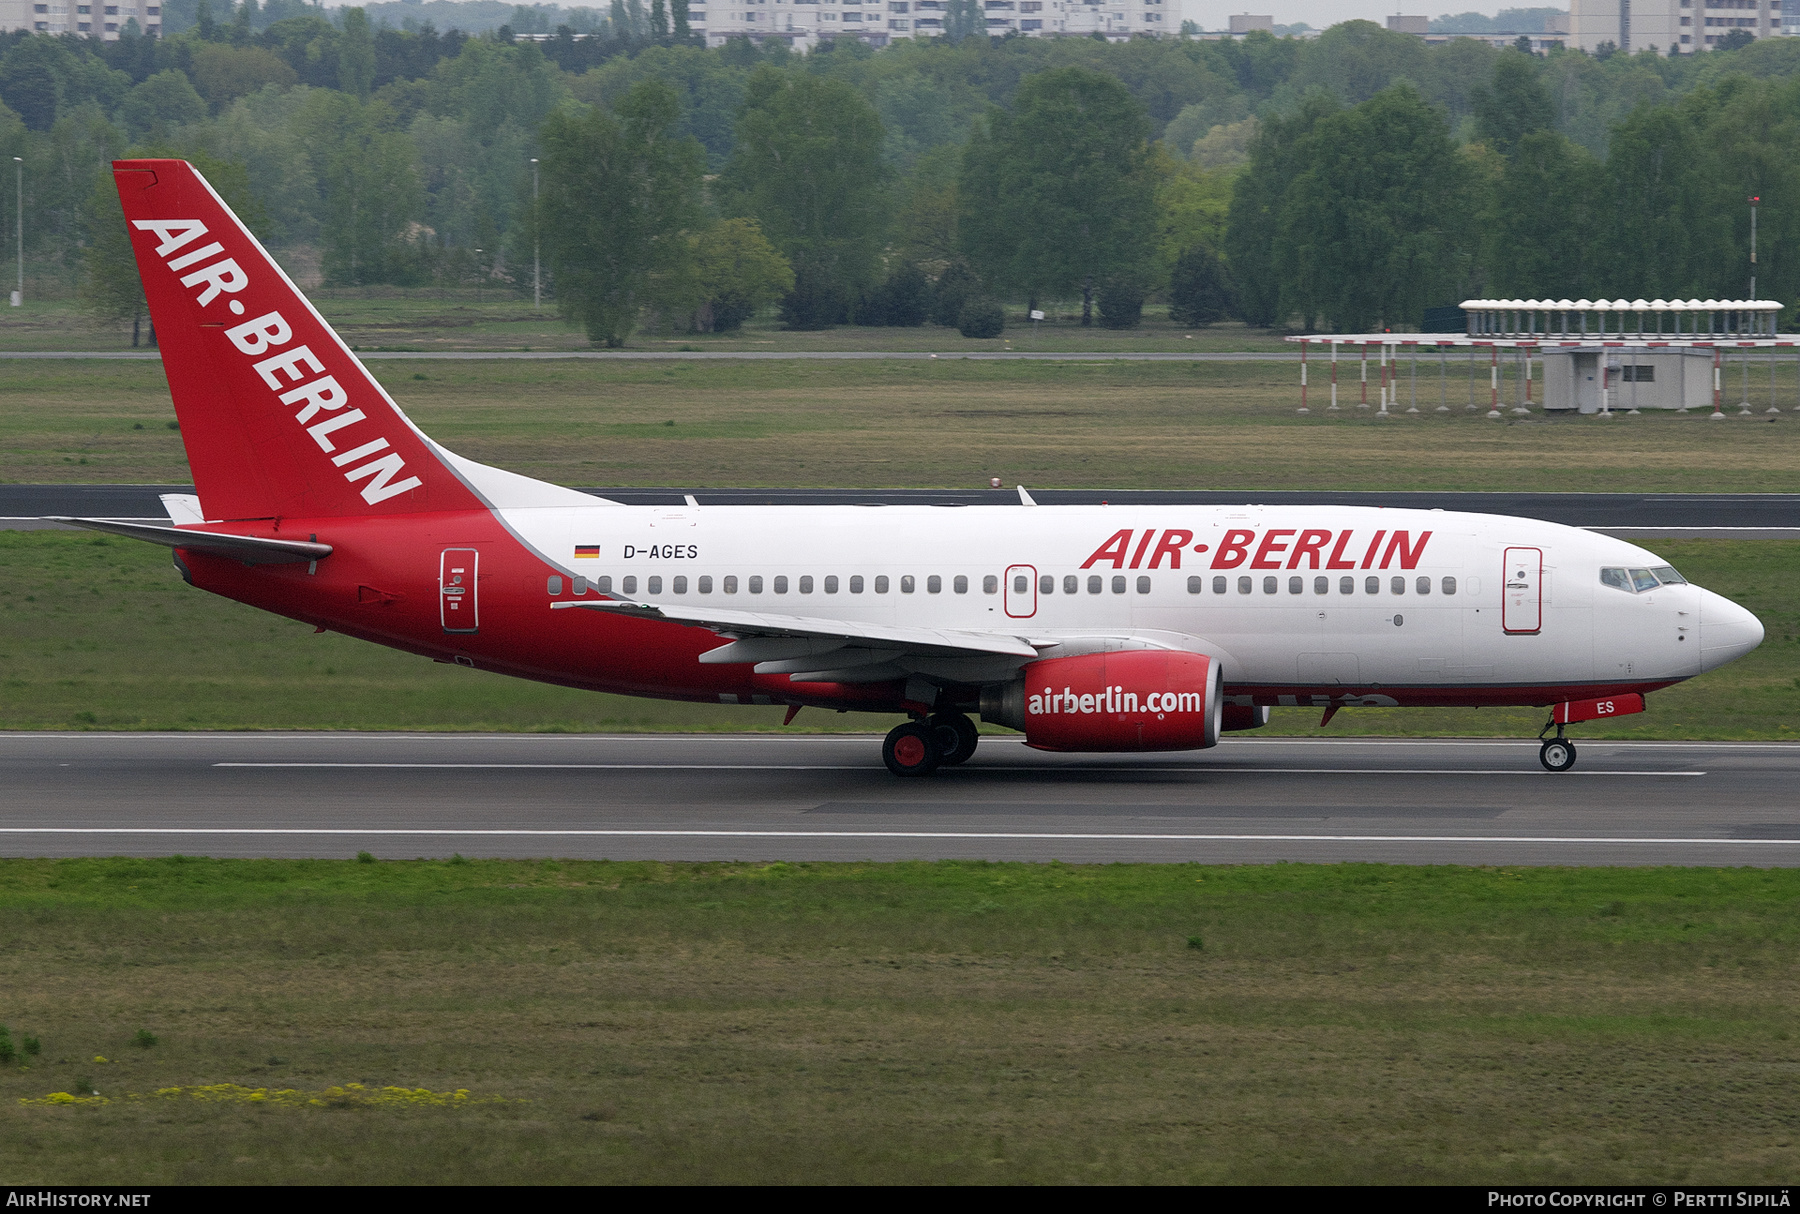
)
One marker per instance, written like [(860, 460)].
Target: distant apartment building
[(1692, 25), (1242, 23), (105, 21), (878, 22)]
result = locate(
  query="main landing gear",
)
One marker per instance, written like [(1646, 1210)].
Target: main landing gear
[(1558, 753), (919, 748)]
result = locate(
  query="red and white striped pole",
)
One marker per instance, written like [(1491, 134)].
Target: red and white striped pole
[(1303, 346)]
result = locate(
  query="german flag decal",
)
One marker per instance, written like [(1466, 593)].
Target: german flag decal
[(589, 552)]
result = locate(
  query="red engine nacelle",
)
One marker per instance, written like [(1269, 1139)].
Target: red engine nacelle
[(1138, 699)]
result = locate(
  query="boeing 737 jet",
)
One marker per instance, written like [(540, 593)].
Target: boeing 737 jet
[(1088, 628)]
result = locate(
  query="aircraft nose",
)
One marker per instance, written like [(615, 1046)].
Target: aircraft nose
[(1727, 631)]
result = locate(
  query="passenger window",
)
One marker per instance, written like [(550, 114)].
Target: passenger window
[(1321, 585), (1346, 585), (1271, 585), (907, 584), (934, 584), (1398, 586), (781, 584), (1118, 585), (831, 584), (1071, 584), (960, 584), (1372, 585), (553, 585), (578, 585), (1196, 584), (1296, 585), (680, 584), (805, 584), (1424, 585), (1219, 584), (1449, 585), (604, 585), (881, 584), (705, 583), (1615, 578), (856, 584), (1093, 583), (756, 583), (1243, 585), (630, 584), (653, 585), (1021, 584), (1643, 579), (1143, 585), (1046, 584), (1667, 576)]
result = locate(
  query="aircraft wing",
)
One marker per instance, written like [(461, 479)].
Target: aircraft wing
[(812, 649), (250, 549)]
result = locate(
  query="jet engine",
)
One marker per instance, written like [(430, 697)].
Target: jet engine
[(1138, 699)]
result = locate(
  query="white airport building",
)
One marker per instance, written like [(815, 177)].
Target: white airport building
[(105, 21), (1692, 25), (877, 22)]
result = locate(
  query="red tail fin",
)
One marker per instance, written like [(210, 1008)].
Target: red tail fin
[(279, 418)]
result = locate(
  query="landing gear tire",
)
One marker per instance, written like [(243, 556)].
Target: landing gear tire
[(956, 738), (911, 750), (1558, 754)]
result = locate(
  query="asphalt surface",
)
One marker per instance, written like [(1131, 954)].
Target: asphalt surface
[(730, 355), (806, 797), (1754, 515)]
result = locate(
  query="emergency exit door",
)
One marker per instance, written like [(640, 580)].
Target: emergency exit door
[(457, 606), (1522, 583)]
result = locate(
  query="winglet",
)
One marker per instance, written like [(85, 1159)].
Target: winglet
[(1025, 498)]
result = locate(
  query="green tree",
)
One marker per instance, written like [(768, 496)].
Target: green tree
[(1058, 192), (164, 101), (808, 166), (1542, 232), (1371, 230), (739, 274), (621, 196), (1514, 104), (356, 54), (368, 174)]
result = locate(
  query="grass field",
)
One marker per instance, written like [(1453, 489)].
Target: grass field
[(385, 318), (100, 633), (944, 422), (944, 1023)]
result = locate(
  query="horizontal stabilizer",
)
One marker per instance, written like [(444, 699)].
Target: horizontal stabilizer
[(944, 641), (249, 549)]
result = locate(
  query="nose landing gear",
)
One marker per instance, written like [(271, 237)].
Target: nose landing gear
[(1557, 754)]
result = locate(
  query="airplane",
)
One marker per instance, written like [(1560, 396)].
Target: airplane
[(1087, 628)]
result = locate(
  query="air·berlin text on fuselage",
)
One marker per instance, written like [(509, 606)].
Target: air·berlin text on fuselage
[(1279, 548)]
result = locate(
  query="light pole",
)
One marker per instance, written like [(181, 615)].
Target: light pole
[(18, 295), (537, 295), (1753, 201)]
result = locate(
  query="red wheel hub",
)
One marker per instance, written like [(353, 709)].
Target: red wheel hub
[(909, 750)]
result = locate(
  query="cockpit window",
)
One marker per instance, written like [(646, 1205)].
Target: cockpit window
[(1636, 581)]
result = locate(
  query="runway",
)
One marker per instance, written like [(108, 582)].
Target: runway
[(811, 797), (1698, 515)]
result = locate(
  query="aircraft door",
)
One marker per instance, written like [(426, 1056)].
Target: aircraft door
[(1522, 583), (1021, 591), (457, 606)]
